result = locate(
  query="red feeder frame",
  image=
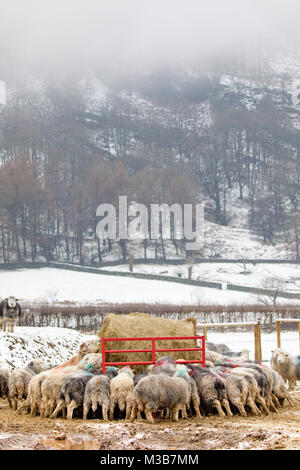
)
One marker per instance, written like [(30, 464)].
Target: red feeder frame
[(153, 350)]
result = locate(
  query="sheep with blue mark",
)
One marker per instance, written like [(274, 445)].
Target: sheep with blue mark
[(91, 363)]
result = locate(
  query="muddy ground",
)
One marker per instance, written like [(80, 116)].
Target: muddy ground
[(277, 431)]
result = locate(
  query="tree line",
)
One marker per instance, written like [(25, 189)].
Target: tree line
[(61, 157)]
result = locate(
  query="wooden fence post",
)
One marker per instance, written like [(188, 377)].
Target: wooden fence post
[(278, 333), (205, 332), (257, 342)]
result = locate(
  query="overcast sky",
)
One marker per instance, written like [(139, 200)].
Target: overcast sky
[(61, 33)]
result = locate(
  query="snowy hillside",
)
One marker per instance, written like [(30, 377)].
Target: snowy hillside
[(53, 345), (50, 285)]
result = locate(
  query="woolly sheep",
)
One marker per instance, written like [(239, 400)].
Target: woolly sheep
[(4, 377), (32, 404), (19, 381), (50, 388), (163, 365), (287, 366), (72, 393), (261, 384), (121, 392), (91, 362), (97, 393), (89, 347), (158, 391), (279, 389), (241, 391), (267, 373), (211, 389), (181, 371)]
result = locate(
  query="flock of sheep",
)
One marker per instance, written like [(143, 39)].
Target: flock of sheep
[(170, 390)]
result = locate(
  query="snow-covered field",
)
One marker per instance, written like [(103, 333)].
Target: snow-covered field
[(50, 284), (54, 345), (258, 275), (245, 340)]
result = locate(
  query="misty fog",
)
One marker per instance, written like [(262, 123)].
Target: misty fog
[(129, 34)]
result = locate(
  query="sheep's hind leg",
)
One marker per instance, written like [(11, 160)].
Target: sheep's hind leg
[(218, 407), (226, 405), (134, 412), (60, 405), (71, 408)]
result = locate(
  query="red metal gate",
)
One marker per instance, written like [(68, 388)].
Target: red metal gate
[(153, 350)]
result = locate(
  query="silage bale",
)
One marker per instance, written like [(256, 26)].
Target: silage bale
[(142, 325)]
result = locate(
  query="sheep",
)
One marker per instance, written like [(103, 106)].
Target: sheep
[(51, 386), (121, 392), (72, 393), (97, 393), (163, 365), (89, 347), (214, 357), (19, 381), (138, 377), (287, 366), (261, 384), (91, 362), (159, 391), (211, 389), (111, 372), (4, 377), (219, 348), (266, 372), (181, 371), (33, 402), (241, 391), (10, 311), (279, 389), (252, 386)]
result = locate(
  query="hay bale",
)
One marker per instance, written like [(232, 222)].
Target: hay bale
[(142, 325)]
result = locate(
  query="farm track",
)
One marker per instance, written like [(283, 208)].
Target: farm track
[(277, 431)]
